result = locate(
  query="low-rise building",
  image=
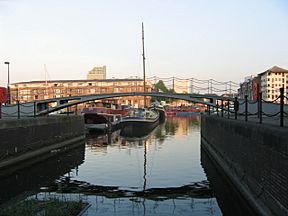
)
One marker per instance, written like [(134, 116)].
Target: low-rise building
[(41, 90)]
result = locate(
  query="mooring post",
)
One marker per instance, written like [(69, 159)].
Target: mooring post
[(260, 108), (236, 107), (281, 107), (246, 108)]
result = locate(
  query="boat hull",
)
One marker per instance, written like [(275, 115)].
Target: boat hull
[(137, 128)]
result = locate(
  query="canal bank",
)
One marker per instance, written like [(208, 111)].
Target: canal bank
[(254, 157), (24, 139)]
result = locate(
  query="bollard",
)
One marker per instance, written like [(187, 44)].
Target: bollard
[(34, 113), (18, 109), (236, 107), (222, 108), (281, 107), (246, 108), (228, 107), (217, 107), (260, 108)]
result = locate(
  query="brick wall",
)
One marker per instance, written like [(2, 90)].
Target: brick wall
[(20, 136), (257, 155)]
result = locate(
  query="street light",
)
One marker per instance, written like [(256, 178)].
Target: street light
[(8, 84)]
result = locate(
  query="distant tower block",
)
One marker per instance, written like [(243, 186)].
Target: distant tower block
[(97, 73)]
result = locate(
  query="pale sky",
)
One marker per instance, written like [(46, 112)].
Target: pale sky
[(205, 39)]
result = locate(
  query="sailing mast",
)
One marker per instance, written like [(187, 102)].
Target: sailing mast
[(143, 56)]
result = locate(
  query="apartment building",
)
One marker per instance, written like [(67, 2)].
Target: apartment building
[(268, 82), (97, 73), (41, 90), (271, 81)]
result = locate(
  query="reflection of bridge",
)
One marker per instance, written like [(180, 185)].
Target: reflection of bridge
[(42, 107)]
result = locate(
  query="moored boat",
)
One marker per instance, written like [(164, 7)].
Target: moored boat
[(101, 122), (139, 121)]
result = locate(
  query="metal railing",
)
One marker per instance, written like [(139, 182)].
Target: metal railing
[(231, 107)]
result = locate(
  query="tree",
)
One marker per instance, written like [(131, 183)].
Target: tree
[(160, 87)]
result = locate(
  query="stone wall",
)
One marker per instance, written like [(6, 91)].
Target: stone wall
[(19, 137), (254, 156)]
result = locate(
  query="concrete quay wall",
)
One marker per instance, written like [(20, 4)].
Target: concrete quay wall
[(24, 139), (254, 157)]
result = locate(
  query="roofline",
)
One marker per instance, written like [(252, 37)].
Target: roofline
[(83, 80)]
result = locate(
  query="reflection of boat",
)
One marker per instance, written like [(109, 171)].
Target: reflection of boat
[(101, 121), (139, 122)]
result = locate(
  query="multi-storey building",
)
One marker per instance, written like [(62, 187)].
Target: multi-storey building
[(246, 88), (97, 73), (40, 90), (271, 81)]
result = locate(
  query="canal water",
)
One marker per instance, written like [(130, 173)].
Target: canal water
[(161, 173)]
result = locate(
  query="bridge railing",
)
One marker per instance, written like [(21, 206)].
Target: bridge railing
[(22, 110), (271, 111)]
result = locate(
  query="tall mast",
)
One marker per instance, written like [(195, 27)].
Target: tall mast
[(143, 56)]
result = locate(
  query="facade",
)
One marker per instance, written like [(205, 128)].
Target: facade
[(97, 73), (41, 90), (271, 82), (268, 82), (246, 88), (3, 95), (256, 83)]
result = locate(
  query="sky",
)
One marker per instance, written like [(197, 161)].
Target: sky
[(204, 39)]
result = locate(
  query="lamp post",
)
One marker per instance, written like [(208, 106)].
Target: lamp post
[(8, 84)]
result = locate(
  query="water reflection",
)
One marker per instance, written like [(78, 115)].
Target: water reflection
[(43, 171), (228, 198), (157, 174)]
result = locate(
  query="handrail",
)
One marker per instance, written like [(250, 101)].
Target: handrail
[(281, 114)]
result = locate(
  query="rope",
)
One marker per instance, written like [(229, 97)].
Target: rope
[(271, 115), (271, 101), (3, 113), (26, 105), (26, 112), (254, 102), (251, 114), (241, 103)]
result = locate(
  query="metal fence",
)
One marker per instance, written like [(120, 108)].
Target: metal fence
[(246, 109)]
